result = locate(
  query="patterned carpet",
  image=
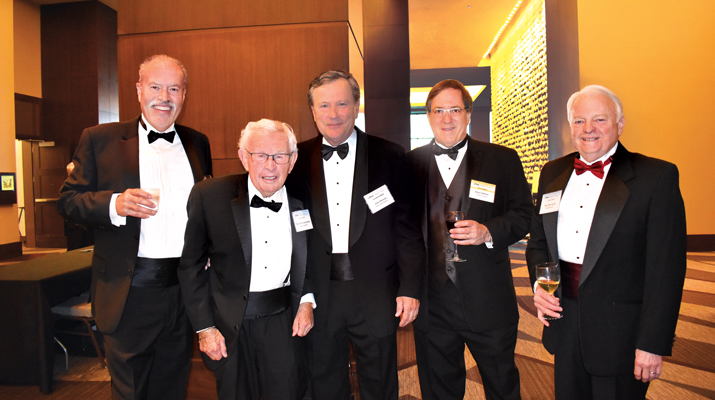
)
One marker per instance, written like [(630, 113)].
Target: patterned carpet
[(688, 374)]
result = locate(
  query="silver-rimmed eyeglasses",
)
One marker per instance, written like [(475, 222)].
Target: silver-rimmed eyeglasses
[(279, 158), (453, 112)]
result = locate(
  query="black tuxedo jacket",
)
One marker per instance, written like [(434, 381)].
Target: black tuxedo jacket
[(484, 281), (107, 162), (219, 229), (634, 266), (385, 251)]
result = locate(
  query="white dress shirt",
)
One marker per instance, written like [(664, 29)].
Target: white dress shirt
[(578, 204), (164, 166), (272, 242), (339, 174), (448, 167)]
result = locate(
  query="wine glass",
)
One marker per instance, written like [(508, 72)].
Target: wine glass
[(450, 218), (548, 276)]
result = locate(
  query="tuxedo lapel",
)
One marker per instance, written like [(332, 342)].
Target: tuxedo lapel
[(299, 254), (191, 153), (358, 208), (319, 196), (242, 218), (129, 154), (610, 205), (473, 163), (550, 220)]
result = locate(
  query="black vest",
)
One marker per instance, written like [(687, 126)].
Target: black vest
[(440, 199)]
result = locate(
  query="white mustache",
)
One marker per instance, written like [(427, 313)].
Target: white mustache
[(162, 103)]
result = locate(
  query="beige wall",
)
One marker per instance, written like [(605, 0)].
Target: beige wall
[(28, 77), (8, 214), (659, 57)]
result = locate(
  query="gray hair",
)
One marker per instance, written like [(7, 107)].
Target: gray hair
[(267, 126), (161, 57), (331, 76), (593, 89)]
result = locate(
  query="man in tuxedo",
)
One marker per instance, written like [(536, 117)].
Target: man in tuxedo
[(247, 304), (136, 300), (473, 302), (365, 254), (615, 222)]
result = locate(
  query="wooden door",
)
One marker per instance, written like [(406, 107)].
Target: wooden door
[(49, 171)]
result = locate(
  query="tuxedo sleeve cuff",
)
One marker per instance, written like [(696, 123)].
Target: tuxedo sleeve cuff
[(308, 298), (116, 219)]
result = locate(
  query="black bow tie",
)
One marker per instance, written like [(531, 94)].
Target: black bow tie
[(168, 136), (451, 152), (258, 202), (327, 151)]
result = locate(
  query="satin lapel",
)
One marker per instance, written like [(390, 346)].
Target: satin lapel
[(191, 153), (129, 154), (425, 164), (300, 250), (550, 220), (473, 164), (610, 205), (358, 208), (242, 218), (319, 196)]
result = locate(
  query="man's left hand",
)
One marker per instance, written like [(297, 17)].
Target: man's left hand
[(648, 366), (407, 308), (303, 321), (470, 232)]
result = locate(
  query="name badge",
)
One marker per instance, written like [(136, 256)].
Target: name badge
[(301, 220), (379, 199), (550, 202), (482, 191)]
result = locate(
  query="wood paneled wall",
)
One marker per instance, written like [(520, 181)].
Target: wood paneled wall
[(238, 75), (141, 16)]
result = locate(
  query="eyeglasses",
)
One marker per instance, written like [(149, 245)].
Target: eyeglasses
[(280, 158), (454, 112)]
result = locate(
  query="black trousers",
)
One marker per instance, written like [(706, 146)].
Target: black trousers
[(266, 363), (149, 355), (571, 379), (440, 352), (329, 351)]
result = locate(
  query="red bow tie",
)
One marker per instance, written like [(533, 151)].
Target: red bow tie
[(595, 168)]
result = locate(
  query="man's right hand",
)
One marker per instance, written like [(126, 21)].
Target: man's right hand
[(546, 304), (212, 343), (134, 203)]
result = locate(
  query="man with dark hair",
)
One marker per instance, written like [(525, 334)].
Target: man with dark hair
[(130, 183), (472, 302), (365, 253), (615, 223)]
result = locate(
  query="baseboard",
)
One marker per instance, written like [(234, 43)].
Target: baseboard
[(10, 250), (701, 242)]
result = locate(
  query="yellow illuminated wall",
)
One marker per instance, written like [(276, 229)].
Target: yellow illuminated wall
[(8, 214), (518, 76), (659, 58)]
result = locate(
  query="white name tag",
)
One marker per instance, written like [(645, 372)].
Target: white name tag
[(301, 220), (482, 191), (550, 202), (379, 199)]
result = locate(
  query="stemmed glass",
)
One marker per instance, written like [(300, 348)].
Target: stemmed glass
[(548, 276), (450, 218)]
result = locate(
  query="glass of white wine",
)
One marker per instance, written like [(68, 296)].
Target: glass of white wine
[(548, 276)]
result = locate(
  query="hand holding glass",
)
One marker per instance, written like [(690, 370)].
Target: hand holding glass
[(451, 217), (548, 276)]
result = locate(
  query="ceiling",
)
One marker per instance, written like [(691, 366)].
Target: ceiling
[(443, 34), (454, 33)]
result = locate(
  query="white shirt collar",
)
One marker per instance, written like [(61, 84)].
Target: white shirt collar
[(605, 156), (351, 141), (252, 191)]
